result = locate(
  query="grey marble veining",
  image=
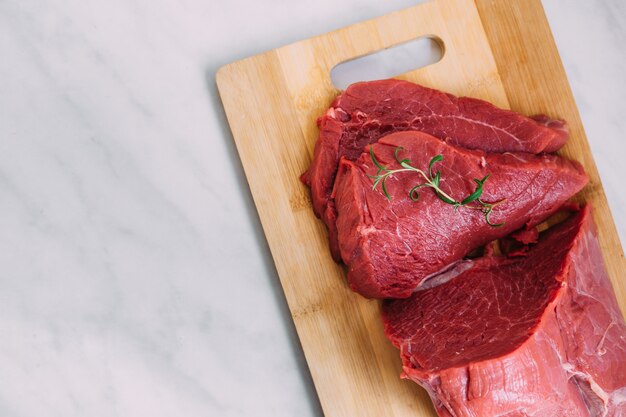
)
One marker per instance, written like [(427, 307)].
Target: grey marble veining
[(135, 278)]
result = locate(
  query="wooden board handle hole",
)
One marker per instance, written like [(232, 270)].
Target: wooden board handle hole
[(389, 62)]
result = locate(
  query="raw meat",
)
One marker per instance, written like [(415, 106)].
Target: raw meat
[(540, 335), (390, 247), (366, 111)]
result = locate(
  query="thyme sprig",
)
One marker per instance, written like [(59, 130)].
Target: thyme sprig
[(432, 180)]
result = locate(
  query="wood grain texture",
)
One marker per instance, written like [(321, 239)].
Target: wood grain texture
[(272, 101)]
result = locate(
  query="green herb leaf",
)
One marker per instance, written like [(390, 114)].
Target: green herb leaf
[(436, 179), (380, 167), (384, 187), (444, 198), (435, 159), (413, 194), (477, 193), (395, 154)]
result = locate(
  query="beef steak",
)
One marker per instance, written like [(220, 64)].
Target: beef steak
[(366, 111), (540, 335), (390, 247)]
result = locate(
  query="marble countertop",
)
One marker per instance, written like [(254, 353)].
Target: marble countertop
[(136, 280)]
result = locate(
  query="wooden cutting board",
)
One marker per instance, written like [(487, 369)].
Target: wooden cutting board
[(501, 51)]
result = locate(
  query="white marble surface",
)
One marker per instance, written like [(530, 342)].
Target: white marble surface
[(135, 278)]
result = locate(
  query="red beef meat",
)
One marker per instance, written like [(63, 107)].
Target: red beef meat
[(390, 247), (366, 111), (540, 335)]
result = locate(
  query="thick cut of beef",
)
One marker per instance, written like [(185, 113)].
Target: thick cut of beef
[(540, 335), (366, 111), (390, 247)]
